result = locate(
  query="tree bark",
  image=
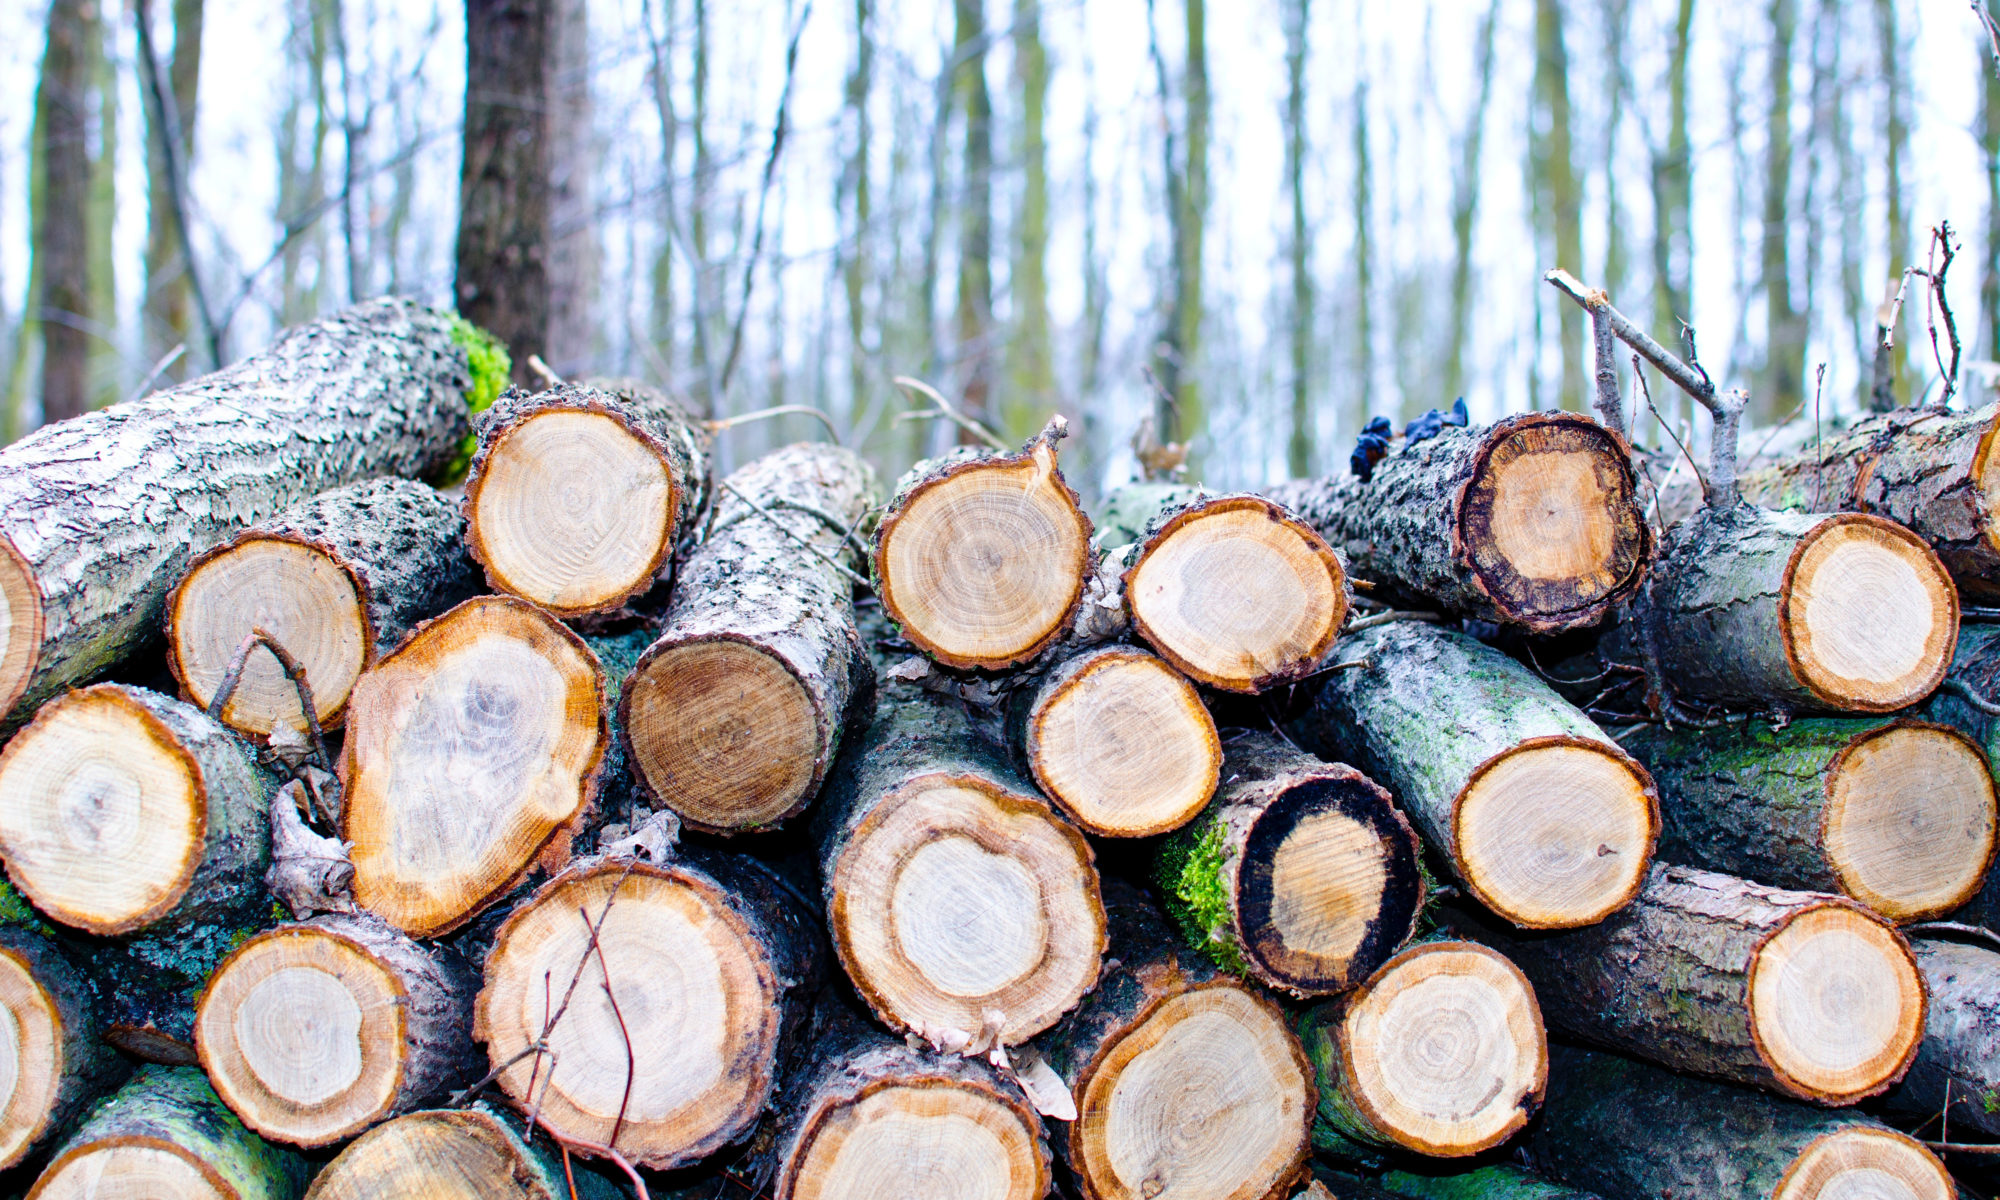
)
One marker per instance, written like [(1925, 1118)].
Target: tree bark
[(1800, 993), (56, 1059), (99, 517), (62, 105), (1501, 1181), (1300, 875), (734, 715), (313, 1033), (339, 580), (1957, 1068), (478, 1151), (1899, 816), (1547, 820), (1534, 521), (578, 494)]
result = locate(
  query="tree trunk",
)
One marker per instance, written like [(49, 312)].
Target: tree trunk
[(975, 213), (166, 1133), (669, 1048), (99, 517), (1031, 384), (1792, 612), (1188, 1083), (1896, 101), (1601, 1126), (55, 1059), (1465, 210), (1957, 1068), (1119, 740), (1440, 1052), (131, 810), (578, 494), (964, 910), (1300, 445), (168, 269), (1899, 816), (981, 558), (1301, 875), (338, 580), (470, 1152), (474, 749), (62, 106), (1558, 195), (1535, 521), (1545, 818), (1781, 390), (1800, 993), (734, 715), (1502, 1181), (574, 335), (313, 1033)]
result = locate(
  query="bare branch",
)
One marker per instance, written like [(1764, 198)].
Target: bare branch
[(948, 411), (294, 671), (1610, 404), (1936, 303), (1882, 396), (1992, 32), (765, 414)]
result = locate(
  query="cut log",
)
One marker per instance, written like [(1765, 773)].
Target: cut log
[(962, 907), (1301, 874), (1441, 1051), (865, 1115), (337, 580), (476, 1153), (1957, 1068), (1623, 1128), (735, 714), (1802, 993), (100, 515), (982, 558), (1797, 613), (1120, 741), (1966, 702), (1534, 521), (167, 1133), (468, 751), (312, 1033), (52, 1062), (127, 809), (1187, 1083), (1899, 816), (1499, 1182), (1236, 592), (578, 493), (1542, 816), (686, 1001)]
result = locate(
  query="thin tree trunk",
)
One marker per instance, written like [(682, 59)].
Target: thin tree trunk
[(1673, 197), (1784, 326), (1464, 211), (1558, 198), (1896, 147), (1177, 410), (702, 285), (1617, 17), (62, 106), (102, 372), (1989, 145), (1363, 253), (856, 200), (1095, 285), (574, 254), (1299, 448), (168, 296), (1032, 384), (975, 228)]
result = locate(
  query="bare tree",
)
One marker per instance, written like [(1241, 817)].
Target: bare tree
[(854, 201), (169, 299), (62, 116), (974, 319), (575, 255), (1465, 208), (1779, 391), (1673, 195), (1363, 254), (1178, 414), (1558, 200), (1896, 148), (302, 135), (1031, 381), (1299, 446), (1989, 145)]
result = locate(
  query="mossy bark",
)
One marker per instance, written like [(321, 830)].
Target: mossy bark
[(175, 1105), (87, 1066), (1501, 1181)]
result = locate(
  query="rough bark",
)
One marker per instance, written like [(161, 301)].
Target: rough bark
[(1957, 1068), (1717, 976), (1896, 815), (101, 516), (1441, 523), (396, 543), (1498, 1182), (476, 1153), (58, 1063), (1301, 875), (735, 714), (1545, 818)]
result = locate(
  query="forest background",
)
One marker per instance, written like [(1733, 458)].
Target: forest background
[(1255, 224)]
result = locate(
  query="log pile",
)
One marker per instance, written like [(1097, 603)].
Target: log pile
[(619, 827)]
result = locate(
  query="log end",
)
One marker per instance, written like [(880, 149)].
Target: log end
[(1863, 1160), (916, 1136), (21, 618), (1556, 832), (1238, 593), (1869, 614), (1910, 819), (1210, 1095), (31, 1057), (1986, 478), (1124, 745), (1837, 1003), (106, 816), (458, 1154), (300, 595), (132, 1165), (1550, 520), (723, 733)]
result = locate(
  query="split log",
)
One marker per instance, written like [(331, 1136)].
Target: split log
[(52, 1062), (1533, 521), (1548, 821), (578, 493), (1300, 875), (962, 907), (471, 750), (1801, 993), (337, 580), (981, 558), (1623, 1128), (866, 1115), (1441, 1052), (667, 997), (167, 1133), (100, 515), (477, 1153), (1957, 1068), (312, 1033), (1186, 1082), (1899, 816), (130, 810), (1120, 741), (1797, 613), (735, 714), (1498, 1182)]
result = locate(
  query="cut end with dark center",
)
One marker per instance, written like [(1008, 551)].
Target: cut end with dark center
[(1869, 614)]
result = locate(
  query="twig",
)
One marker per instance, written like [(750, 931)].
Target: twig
[(294, 671), (1937, 302), (765, 414), (631, 1061), (946, 410), (168, 119), (1610, 404), (1819, 446), (1963, 690), (1882, 395), (1384, 618), (1647, 392), (603, 1151), (541, 368), (159, 368), (1992, 32), (761, 511)]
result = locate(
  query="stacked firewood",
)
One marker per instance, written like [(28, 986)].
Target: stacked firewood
[(605, 825)]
